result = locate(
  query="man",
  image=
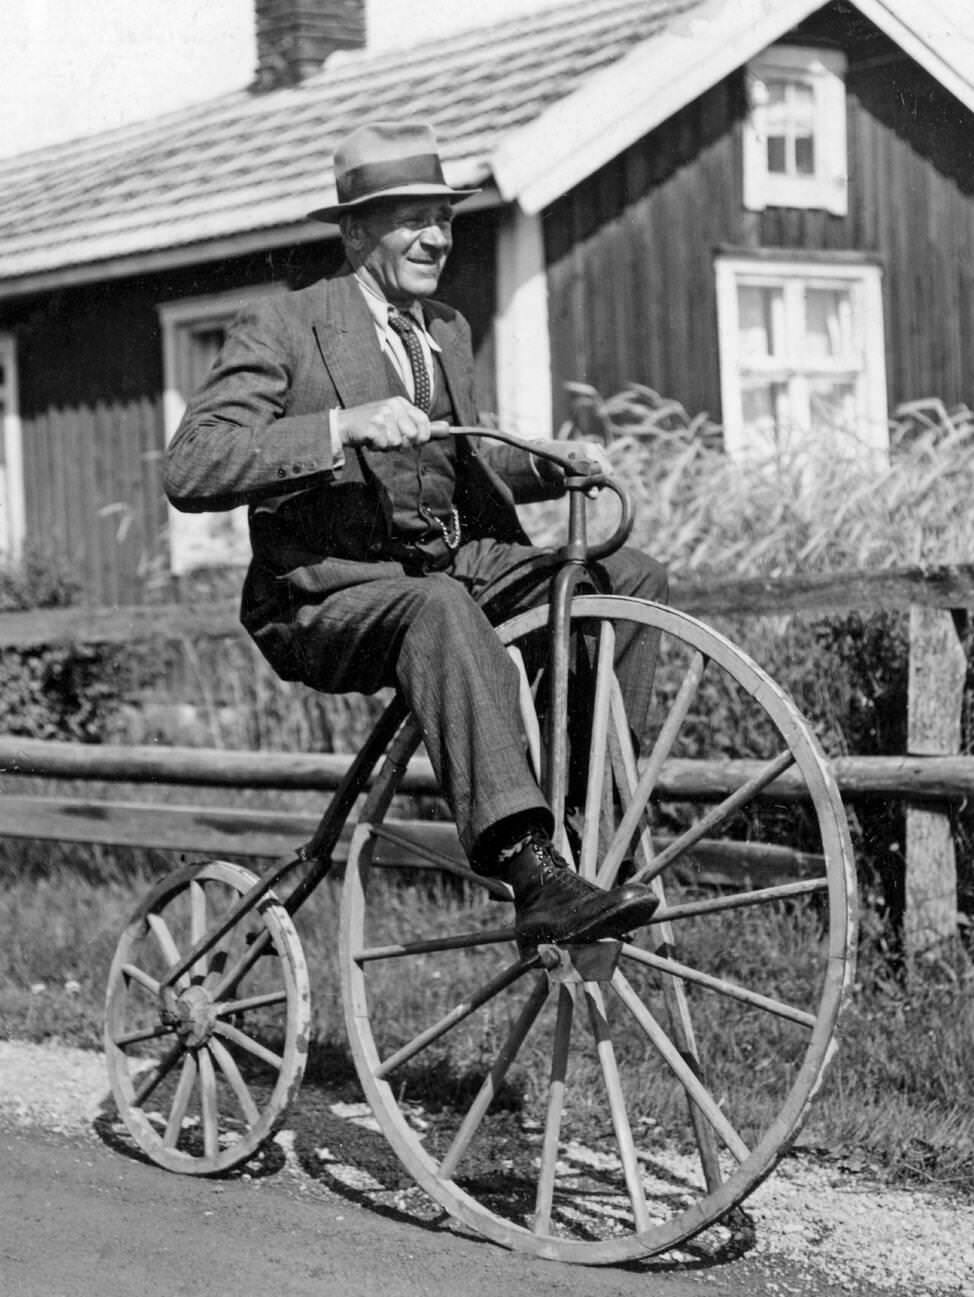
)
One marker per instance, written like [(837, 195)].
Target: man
[(377, 547)]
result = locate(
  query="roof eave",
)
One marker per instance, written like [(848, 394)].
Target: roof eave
[(191, 253)]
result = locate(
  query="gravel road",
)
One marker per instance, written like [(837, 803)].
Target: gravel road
[(810, 1217)]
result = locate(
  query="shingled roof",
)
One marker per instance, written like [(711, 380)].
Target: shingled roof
[(253, 164)]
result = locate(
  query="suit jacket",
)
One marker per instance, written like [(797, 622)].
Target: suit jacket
[(257, 433)]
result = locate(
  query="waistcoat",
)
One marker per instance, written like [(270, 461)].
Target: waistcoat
[(420, 480)]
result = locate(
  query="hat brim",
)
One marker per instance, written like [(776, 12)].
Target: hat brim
[(332, 213)]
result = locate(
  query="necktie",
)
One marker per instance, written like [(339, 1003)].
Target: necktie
[(421, 380)]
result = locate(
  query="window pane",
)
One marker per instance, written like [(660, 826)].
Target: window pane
[(828, 322), (777, 154), (205, 342), (805, 155), (760, 311), (833, 405), (766, 411), (790, 127)]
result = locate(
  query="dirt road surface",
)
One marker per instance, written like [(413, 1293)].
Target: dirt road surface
[(80, 1217)]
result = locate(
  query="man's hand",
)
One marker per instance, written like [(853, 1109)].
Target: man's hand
[(596, 453), (384, 425)]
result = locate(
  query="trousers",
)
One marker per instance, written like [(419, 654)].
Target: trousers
[(432, 637)]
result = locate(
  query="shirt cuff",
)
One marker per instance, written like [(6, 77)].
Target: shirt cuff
[(337, 449)]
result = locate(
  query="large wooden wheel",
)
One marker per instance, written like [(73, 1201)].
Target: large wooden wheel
[(202, 1065), (609, 1101)]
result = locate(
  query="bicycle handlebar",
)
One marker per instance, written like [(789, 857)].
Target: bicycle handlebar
[(578, 477)]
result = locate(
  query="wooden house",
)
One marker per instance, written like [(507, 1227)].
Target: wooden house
[(763, 208)]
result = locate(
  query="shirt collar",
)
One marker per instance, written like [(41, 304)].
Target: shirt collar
[(379, 308)]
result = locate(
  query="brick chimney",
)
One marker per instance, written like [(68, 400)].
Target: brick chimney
[(294, 37)]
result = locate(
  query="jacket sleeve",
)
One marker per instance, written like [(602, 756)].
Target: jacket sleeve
[(238, 440)]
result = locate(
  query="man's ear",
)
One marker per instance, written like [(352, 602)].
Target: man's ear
[(353, 232)]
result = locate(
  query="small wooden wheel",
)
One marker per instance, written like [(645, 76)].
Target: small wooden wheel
[(202, 1065), (604, 1102)]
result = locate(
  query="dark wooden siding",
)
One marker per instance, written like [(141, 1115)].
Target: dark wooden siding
[(630, 259), (91, 380), (631, 251)]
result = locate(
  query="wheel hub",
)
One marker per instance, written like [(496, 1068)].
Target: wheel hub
[(191, 1015), (594, 962)]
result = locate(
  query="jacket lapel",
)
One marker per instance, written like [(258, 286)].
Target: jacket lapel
[(345, 334), (456, 369)]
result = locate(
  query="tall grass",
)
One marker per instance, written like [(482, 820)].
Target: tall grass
[(819, 506)]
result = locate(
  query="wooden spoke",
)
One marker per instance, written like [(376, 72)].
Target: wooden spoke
[(492, 1082), (209, 1110), (720, 985), (456, 1015), (640, 795), (555, 1109), (442, 861), (674, 990), (166, 943), (249, 1003), (596, 791), (180, 1103), (626, 777), (740, 900), (237, 914), (228, 1066), (142, 1034), (197, 900), (237, 971), (717, 816), (463, 941), (141, 978), (154, 1078), (687, 1077), (229, 1032), (528, 711), (617, 1104)]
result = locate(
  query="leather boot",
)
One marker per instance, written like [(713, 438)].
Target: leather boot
[(553, 903)]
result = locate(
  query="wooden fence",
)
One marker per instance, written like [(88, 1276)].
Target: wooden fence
[(933, 774)]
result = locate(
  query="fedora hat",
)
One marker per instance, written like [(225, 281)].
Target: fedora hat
[(387, 160)]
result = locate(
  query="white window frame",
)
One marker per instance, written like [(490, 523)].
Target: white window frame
[(823, 71), (201, 540), (13, 513), (868, 363)]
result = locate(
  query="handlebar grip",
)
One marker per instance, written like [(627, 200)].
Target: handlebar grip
[(623, 530)]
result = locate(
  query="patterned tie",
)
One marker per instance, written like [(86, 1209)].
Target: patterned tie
[(421, 380)]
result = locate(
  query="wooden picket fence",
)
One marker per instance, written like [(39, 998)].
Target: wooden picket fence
[(928, 779)]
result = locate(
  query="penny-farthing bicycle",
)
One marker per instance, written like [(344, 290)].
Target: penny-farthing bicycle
[(627, 1093)]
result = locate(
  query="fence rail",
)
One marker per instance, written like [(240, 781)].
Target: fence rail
[(934, 774), (944, 586)]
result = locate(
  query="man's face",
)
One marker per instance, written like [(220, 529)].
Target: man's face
[(402, 246)]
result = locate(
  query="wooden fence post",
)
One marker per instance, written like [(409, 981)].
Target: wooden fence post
[(936, 687)]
